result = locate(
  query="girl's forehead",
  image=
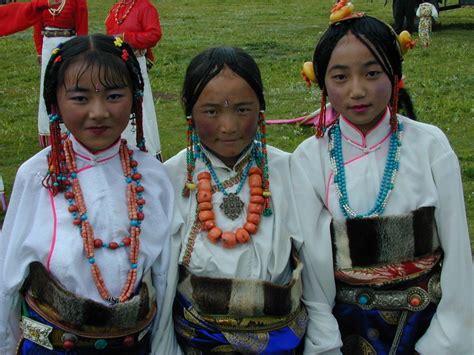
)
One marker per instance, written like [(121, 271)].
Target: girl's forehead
[(87, 74)]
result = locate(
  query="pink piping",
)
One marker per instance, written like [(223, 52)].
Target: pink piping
[(55, 222)]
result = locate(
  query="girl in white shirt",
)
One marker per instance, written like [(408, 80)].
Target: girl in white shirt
[(400, 244), (234, 228), (85, 245)]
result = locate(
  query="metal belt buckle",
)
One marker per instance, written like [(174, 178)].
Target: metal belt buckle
[(36, 332)]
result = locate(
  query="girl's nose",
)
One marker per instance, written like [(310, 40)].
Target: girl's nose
[(357, 89), (98, 110), (228, 123)]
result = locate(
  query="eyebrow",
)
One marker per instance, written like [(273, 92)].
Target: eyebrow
[(81, 89), (342, 67), (212, 104)]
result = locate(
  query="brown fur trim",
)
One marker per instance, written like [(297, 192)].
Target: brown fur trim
[(361, 242), (242, 298), (63, 306)]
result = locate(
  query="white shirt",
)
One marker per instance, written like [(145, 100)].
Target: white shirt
[(39, 227), (265, 257), (429, 175)]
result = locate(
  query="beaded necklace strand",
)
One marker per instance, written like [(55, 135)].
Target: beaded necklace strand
[(232, 205), (57, 11), (135, 202), (121, 4), (390, 172)]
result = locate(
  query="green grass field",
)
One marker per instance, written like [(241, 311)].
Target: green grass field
[(280, 35)]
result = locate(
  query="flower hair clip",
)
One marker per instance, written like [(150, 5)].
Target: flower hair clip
[(343, 11), (58, 59), (125, 55), (57, 49), (308, 74), (406, 43), (118, 42)]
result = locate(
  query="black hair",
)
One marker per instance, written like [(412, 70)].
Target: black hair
[(376, 35), (207, 64), (107, 54)]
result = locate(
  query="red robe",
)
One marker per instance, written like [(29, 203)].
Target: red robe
[(17, 17), (73, 16), (141, 28)]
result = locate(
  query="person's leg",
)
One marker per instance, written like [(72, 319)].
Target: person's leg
[(398, 14), (410, 13)]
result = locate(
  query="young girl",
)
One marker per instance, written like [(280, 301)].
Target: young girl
[(401, 250), (85, 247), (137, 22), (238, 281), (54, 26)]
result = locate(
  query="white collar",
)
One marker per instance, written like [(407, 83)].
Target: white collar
[(373, 138), (82, 153)]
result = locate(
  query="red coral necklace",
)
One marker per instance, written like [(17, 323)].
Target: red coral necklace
[(135, 202)]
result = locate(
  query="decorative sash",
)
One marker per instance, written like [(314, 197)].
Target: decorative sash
[(229, 315), (387, 272), (84, 319)]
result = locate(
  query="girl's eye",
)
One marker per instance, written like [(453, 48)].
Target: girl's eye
[(210, 112), (244, 110), (79, 98), (373, 74), (339, 77), (114, 97)]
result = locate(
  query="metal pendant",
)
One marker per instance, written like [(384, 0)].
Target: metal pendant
[(232, 206), (36, 332)]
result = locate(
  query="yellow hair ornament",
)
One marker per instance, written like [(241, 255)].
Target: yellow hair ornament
[(406, 43), (341, 11), (118, 42), (308, 73)]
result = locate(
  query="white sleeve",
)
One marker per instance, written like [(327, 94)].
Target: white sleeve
[(164, 339), (452, 327), (319, 289), (15, 258)]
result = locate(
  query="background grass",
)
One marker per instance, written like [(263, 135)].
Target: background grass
[(280, 35)]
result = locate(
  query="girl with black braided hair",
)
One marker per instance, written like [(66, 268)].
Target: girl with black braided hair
[(82, 264), (400, 244)]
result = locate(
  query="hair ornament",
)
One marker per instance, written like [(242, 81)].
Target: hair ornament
[(55, 51), (308, 73), (125, 55), (139, 93), (118, 42), (58, 59), (343, 11), (406, 43)]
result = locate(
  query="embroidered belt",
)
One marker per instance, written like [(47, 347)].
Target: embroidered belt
[(58, 33), (414, 298), (54, 338), (88, 321)]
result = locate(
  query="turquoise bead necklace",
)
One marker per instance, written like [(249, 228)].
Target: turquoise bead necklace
[(392, 166)]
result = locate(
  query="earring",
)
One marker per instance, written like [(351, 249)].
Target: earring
[(262, 161), (133, 122), (321, 124), (55, 179), (192, 142)]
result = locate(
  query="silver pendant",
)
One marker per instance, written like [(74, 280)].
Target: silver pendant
[(36, 332), (232, 206)]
